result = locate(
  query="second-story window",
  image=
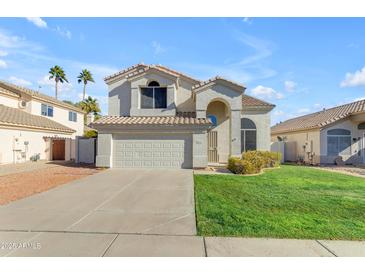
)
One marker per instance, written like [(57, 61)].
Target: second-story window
[(47, 110), (154, 96), (72, 116)]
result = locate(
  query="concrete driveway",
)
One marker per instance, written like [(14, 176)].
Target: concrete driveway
[(95, 209)]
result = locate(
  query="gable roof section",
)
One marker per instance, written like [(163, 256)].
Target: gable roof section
[(123, 72), (13, 117), (249, 101), (183, 75), (8, 92), (37, 95), (319, 119), (141, 68), (141, 71), (218, 79)]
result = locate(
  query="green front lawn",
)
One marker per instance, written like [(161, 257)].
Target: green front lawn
[(290, 202)]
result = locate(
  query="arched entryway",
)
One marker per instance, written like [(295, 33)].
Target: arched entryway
[(219, 136)]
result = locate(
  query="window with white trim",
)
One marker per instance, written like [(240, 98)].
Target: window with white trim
[(248, 135), (72, 116), (338, 142), (47, 110), (153, 96)]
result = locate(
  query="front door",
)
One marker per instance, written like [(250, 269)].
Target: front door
[(58, 150), (212, 147)]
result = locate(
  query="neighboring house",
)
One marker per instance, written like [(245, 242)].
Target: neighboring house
[(33, 124), (159, 117), (322, 136)]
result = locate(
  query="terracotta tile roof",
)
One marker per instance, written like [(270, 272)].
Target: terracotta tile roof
[(141, 68), (215, 79), (177, 73), (37, 95), (124, 71), (150, 120), (8, 92), (319, 119), (14, 117), (250, 101)]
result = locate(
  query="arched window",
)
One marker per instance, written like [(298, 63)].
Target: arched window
[(361, 126), (213, 118), (153, 84), (248, 135), (154, 96), (338, 142)]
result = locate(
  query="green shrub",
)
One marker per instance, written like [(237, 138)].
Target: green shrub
[(91, 134), (235, 165), (253, 162), (255, 158), (249, 167)]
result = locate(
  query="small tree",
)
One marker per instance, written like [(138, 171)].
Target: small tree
[(58, 74)]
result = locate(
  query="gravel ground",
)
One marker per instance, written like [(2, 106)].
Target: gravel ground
[(20, 185), (349, 170)]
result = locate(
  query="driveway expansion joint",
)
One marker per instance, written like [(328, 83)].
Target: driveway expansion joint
[(325, 247), (108, 247)]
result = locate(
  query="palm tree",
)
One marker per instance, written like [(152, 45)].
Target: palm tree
[(85, 76), (59, 75), (90, 105)]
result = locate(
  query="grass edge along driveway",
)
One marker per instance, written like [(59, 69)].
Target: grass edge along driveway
[(290, 202)]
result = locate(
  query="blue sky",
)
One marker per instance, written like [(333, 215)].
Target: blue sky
[(299, 64)]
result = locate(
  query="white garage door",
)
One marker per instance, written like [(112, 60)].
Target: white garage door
[(152, 151)]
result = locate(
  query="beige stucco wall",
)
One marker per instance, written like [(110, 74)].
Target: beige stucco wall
[(221, 111), (305, 142), (60, 115), (9, 101), (319, 141), (37, 144), (356, 153), (124, 96), (262, 120), (233, 100)]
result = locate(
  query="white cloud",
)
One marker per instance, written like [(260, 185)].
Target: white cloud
[(3, 64), (354, 79), (303, 110), (247, 20), (290, 86), (317, 105), (157, 48), (266, 92), (62, 87), (39, 22), (3, 53), (262, 48), (64, 32), (9, 41), (19, 81)]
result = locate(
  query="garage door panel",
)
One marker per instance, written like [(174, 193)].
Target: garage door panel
[(152, 151)]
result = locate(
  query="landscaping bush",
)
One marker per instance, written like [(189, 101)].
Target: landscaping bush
[(235, 165), (253, 162)]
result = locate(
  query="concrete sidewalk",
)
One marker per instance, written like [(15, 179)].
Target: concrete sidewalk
[(73, 244)]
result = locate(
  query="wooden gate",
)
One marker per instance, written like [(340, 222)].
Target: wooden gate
[(58, 150), (212, 147)]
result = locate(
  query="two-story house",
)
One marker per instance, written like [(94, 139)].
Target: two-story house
[(34, 125), (159, 117)]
